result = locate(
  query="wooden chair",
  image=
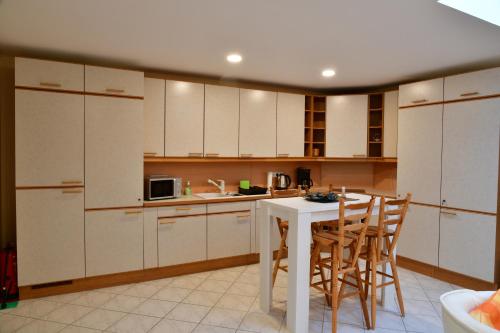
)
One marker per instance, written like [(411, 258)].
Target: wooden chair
[(380, 244), (349, 236)]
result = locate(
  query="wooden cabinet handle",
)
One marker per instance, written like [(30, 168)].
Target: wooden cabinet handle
[(195, 154), (182, 208), (242, 216), (212, 155), (149, 154), (283, 155), (115, 91), (130, 212), (469, 94), (419, 101), (50, 84), (74, 190), (358, 155), (168, 222), (71, 182), (246, 155), (448, 213)]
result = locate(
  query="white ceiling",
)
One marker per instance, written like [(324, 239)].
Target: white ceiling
[(286, 42)]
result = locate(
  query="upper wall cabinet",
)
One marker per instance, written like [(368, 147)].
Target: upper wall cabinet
[(257, 123), (290, 126), (48, 74), (222, 111), (154, 117), (475, 84), (424, 92), (184, 104), (346, 121), (391, 124), (111, 81)]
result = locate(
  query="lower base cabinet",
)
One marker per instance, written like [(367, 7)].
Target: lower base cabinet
[(419, 239), (50, 236), (467, 243), (113, 241), (182, 239), (228, 234)]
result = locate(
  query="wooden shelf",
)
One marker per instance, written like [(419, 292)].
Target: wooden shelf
[(375, 141), (315, 126), (375, 125), (268, 159)]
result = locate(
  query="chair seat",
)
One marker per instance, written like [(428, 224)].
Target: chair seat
[(333, 237)]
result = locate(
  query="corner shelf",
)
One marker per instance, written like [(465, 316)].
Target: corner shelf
[(375, 125), (315, 126)]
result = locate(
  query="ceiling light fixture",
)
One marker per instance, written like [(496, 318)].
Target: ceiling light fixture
[(328, 72), (487, 10), (234, 58)]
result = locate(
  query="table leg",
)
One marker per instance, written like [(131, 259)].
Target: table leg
[(299, 254), (266, 260)]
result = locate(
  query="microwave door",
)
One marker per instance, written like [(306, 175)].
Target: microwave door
[(162, 189)]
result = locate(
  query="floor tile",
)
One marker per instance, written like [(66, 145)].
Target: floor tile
[(261, 322), (68, 313), (100, 319), (224, 318), (10, 323), (41, 326), (214, 285), (189, 282), (172, 294), (77, 329), (141, 290), (160, 282), (249, 278), (155, 308), (206, 298), (93, 298), (343, 328), (213, 329), (438, 308), (35, 309), (236, 302), (389, 320), (243, 289), (133, 323), (224, 275), (188, 312), (123, 303), (64, 298), (173, 326), (424, 308), (423, 324)]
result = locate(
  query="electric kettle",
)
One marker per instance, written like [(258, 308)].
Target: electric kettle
[(283, 181)]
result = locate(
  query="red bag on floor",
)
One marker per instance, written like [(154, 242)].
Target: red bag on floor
[(8, 275)]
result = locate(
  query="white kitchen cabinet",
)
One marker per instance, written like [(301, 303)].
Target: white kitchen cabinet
[(184, 107), (182, 210), (113, 241), (423, 92), (182, 239), (150, 238), (50, 235), (112, 81), (49, 132), (257, 123), (228, 229), (467, 243), (391, 124), (222, 113), (290, 125), (419, 153), (346, 125), (154, 117), (113, 152), (419, 239), (471, 131), (474, 84), (45, 74)]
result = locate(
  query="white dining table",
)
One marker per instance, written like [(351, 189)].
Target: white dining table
[(299, 213)]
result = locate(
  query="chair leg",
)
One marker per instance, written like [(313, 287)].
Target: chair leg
[(314, 261), (278, 257), (367, 267), (373, 285), (396, 284), (324, 281), (362, 297), (334, 291)]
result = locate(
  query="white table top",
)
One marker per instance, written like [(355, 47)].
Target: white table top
[(301, 205)]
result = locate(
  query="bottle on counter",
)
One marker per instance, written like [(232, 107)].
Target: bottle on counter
[(187, 190)]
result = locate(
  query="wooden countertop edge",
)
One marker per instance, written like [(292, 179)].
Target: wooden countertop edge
[(150, 159)]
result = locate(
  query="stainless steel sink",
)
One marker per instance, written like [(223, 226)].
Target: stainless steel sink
[(217, 195)]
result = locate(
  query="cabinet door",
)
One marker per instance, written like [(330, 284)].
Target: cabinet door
[(346, 125), (154, 117), (290, 126), (150, 238), (419, 238), (50, 235), (113, 152), (228, 234), (182, 240), (419, 153), (430, 91), (49, 138), (113, 241), (184, 118), (467, 243), (470, 155), (474, 84), (47, 74), (257, 123), (222, 112), (391, 123), (112, 81)]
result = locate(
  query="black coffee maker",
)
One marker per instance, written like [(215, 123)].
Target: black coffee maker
[(304, 178)]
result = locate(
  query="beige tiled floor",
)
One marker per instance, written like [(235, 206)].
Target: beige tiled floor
[(223, 301)]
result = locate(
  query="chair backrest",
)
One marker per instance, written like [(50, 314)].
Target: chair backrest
[(356, 225), (391, 212), (292, 192)]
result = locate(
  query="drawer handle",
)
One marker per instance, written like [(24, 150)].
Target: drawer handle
[(195, 154), (182, 208), (242, 216), (149, 154), (72, 191), (246, 155), (115, 91), (168, 222), (212, 155), (359, 155), (470, 94), (50, 84), (283, 155), (419, 101), (71, 182), (130, 212), (448, 213)]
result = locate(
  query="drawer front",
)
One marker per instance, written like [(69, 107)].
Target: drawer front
[(182, 210), (150, 238), (48, 74), (182, 240), (113, 81), (228, 235), (475, 84), (430, 91), (229, 207)]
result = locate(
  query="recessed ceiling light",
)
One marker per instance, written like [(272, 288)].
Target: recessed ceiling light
[(328, 72), (234, 58)]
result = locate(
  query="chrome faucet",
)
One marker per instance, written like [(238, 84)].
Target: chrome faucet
[(221, 186)]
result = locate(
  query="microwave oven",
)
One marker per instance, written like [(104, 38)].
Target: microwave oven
[(162, 187)]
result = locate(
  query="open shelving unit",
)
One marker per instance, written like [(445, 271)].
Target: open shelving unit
[(376, 125), (315, 126)]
